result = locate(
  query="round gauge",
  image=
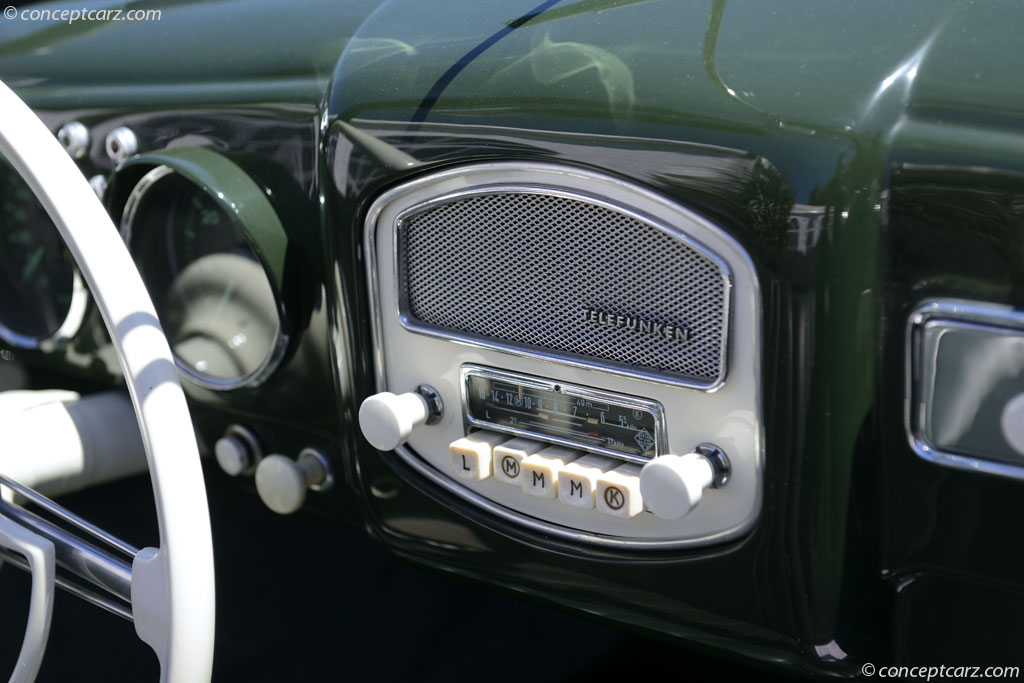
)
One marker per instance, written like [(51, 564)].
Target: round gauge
[(43, 300), (209, 288)]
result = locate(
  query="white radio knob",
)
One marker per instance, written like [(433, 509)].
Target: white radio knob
[(387, 420), (672, 485)]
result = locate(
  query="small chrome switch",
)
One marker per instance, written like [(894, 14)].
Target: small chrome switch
[(74, 137), (120, 144)]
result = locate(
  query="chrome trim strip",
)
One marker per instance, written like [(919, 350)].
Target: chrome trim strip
[(446, 483), (947, 314), (271, 361), (569, 389), (401, 305)]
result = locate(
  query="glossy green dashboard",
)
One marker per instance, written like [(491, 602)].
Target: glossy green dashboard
[(867, 157)]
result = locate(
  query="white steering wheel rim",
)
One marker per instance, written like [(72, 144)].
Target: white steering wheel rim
[(173, 587)]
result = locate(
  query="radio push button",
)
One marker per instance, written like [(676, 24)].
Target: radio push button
[(471, 455), (577, 482), (508, 458), (618, 492), (539, 476)]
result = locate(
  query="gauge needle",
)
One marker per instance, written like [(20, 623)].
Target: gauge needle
[(33, 263), (224, 299)]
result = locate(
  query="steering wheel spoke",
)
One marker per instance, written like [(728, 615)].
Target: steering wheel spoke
[(91, 566)]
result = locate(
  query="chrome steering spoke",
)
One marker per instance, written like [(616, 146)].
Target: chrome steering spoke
[(112, 606), (88, 566)]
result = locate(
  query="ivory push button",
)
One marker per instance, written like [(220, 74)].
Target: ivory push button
[(578, 480), (618, 491), (471, 455), (539, 475), (509, 456)]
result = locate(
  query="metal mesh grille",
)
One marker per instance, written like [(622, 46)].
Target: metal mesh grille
[(523, 269)]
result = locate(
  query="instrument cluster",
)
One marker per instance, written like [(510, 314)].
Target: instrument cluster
[(210, 289), (209, 247)]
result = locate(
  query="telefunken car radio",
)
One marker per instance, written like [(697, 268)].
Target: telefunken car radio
[(568, 352)]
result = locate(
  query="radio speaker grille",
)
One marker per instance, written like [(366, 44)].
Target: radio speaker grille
[(565, 276)]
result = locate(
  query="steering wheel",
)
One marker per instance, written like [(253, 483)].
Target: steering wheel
[(172, 588)]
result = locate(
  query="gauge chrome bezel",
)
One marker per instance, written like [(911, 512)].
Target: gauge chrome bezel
[(68, 329), (272, 360)]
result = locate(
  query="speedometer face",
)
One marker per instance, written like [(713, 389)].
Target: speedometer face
[(209, 288), (39, 287)]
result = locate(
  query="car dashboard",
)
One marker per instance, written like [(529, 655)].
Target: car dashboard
[(670, 326)]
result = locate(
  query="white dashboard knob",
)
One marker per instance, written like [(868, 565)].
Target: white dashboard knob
[(282, 482), (1013, 423), (387, 420), (233, 455), (672, 485)]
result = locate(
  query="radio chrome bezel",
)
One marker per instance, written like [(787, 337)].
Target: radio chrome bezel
[(401, 298), (744, 372), (568, 389)]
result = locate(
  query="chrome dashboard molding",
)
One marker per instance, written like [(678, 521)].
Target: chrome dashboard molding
[(569, 389), (528, 187), (281, 339), (948, 313), (530, 523)]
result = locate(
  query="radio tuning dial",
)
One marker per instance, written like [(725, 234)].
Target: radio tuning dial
[(387, 419), (672, 485)]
